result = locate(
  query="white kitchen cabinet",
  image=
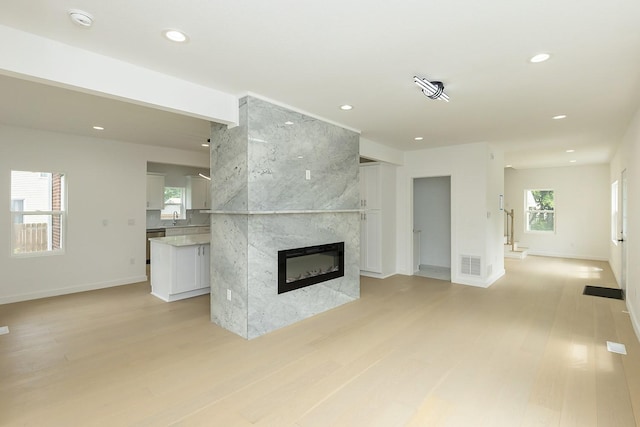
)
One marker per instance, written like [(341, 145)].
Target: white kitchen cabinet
[(204, 269), (179, 271), (193, 268), (155, 192), (377, 219), (198, 193)]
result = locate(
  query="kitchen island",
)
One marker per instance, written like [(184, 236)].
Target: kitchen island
[(180, 266)]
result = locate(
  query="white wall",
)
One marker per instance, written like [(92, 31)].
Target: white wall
[(432, 216), (628, 157), (388, 209), (473, 221), (582, 204), (106, 180), (495, 217)]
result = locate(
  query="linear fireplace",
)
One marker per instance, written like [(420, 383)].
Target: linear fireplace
[(302, 267)]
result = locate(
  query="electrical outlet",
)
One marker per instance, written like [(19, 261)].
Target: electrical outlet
[(131, 221), (229, 294), (132, 261), (4, 330), (307, 174)]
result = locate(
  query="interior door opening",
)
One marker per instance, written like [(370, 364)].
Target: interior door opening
[(432, 227)]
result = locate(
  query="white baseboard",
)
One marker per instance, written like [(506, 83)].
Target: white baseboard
[(480, 283), (183, 295), (460, 280), (376, 275), (71, 290), (569, 256), (634, 320)]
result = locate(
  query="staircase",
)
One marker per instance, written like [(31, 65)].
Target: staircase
[(517, 252), (511, 247)]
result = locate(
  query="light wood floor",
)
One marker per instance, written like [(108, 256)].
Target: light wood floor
[(529, 351)]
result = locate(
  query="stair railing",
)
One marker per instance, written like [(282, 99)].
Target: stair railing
[(510, 234)]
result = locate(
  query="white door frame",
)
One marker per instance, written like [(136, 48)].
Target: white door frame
[(623, 231)]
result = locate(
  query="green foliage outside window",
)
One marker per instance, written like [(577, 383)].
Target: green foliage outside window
[(540, 210), (172, 193)]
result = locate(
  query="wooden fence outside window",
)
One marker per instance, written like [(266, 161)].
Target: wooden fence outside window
[(30, 238)]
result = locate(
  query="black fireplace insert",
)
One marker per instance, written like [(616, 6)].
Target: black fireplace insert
[(302, 267)]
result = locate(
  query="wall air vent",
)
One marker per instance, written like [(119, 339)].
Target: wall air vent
[(470, 265)]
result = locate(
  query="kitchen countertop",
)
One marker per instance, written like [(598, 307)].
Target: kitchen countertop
[(188, 240), (164, 227)]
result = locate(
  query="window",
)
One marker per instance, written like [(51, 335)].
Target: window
[(37, 212), (614, 213), (174, 203), (539, 211)]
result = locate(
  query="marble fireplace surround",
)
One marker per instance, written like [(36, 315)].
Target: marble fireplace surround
[(263, 203)]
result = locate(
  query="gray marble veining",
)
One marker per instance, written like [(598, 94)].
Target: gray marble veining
[(260, 167), (229, 269), (269, 310), (229, 166), (280, 154), (261, 164)]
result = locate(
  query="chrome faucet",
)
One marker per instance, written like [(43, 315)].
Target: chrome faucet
[(175, 218)]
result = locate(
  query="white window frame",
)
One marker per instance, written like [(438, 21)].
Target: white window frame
[(182, 205), (62, 214), (527, 211)]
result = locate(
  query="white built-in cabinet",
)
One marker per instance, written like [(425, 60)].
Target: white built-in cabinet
[(198, 193), (370, 187), (179, 272), (155, 192), (377, 219), (371, 241)]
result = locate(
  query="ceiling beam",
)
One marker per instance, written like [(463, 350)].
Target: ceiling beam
[(42, 60)]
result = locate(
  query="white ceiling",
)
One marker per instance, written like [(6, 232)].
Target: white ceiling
[(317, 55)]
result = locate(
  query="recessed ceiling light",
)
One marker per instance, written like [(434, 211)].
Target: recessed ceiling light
[(559, 117), (572, 161), (98, 128), (418, 138), (288, 122), (301, 157), (541, 57), (346, 107), (571, 151), (205, 144), (175, 36), (81, 18), (508, 166)]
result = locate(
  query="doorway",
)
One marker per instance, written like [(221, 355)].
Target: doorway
[(432, 227)]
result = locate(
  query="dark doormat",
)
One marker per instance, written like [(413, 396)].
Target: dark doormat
[(598, 291)]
